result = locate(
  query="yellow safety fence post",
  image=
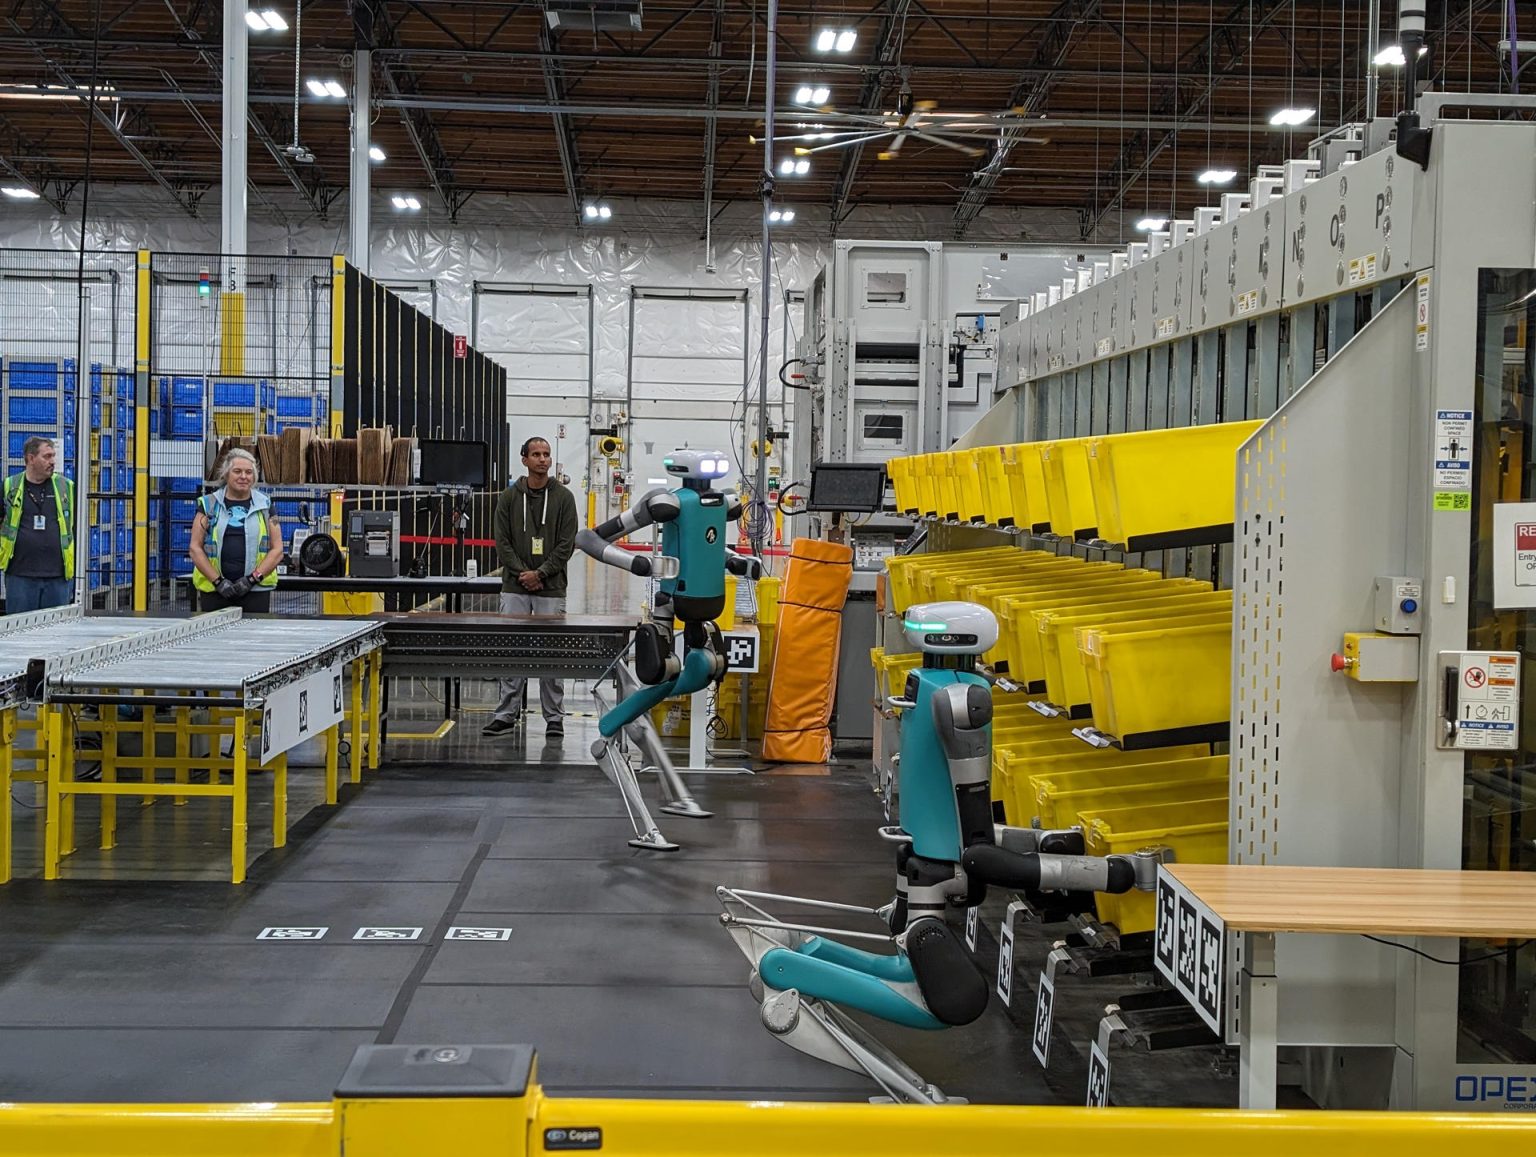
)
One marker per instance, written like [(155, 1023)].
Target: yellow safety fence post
[(359, 677)]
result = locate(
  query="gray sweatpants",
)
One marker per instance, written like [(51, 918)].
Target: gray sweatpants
[(551, 691)]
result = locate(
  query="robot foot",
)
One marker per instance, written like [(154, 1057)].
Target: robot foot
[(653, 841), (823, 1031), (688, 808)]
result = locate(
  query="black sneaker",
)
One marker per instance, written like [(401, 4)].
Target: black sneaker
[(554, 730), (499, 727)]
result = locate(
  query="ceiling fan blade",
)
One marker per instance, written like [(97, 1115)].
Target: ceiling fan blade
[(858, 140), (959, 148)]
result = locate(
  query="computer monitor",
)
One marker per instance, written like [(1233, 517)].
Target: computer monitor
[(847, 488), (449, 462)]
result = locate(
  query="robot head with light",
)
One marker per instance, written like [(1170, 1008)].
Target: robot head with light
[(951, 628), (698, 468)]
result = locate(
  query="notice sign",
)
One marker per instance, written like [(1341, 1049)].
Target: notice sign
[(1514, 556), (460, 346), (1487, 709), (1453, 460), (1421, 322)]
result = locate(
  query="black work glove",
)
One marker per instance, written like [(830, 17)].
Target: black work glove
[(243, 587), (226, 589)]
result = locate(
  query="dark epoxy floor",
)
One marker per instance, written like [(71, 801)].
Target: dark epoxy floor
[(140, 976)]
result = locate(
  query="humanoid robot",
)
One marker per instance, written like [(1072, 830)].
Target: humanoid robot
[(947, 851), (691, 588)]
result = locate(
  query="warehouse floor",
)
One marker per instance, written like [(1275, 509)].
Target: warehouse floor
[(144, 976)]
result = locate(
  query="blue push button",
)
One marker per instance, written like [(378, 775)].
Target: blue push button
[(1409, 606)]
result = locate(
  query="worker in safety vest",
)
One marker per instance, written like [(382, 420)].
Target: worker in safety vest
[(236, 543), (37, 533)]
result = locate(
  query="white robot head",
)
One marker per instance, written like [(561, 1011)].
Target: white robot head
[(950, 628), (698, 465)]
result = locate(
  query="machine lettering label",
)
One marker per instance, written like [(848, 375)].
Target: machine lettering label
[(741, 652), (711, 534), (1495, 1091), (482, 934), (303, 711), (387, 933), (972, 917), (1098, 1077), (336, 693), (590, 1137), (292, 933), (1045, 1007), (1189, 948)]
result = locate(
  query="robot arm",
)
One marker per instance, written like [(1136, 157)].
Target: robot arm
[(657, 505), (733, 506), (743, 565)]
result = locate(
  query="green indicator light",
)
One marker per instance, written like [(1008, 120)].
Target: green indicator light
[(911, 626)]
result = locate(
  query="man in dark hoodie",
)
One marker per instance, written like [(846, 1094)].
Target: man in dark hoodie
[(535, 536)]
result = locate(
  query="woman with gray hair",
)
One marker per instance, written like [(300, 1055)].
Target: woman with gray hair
[(236, 543)]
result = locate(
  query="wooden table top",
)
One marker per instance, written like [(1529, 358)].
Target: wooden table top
[(1374, 901)]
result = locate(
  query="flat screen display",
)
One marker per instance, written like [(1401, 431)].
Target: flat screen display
[(454, 463), (847, 487)]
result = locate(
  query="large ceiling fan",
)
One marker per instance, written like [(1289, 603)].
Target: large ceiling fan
[(970, 133)]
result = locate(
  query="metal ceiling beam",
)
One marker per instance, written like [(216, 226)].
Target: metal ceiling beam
[(1028, 97), (1215, 58), (130, 127), (565, 135), (39, 177), (712, 122), (311, 185), (887, 50), (377, 31)]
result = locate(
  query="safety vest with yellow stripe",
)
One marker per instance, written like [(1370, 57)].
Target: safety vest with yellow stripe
[(64, 500), (215, 508)]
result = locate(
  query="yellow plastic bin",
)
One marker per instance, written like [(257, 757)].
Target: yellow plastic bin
[(966, 466), (996, 499), (1107, 760), (924, 474), (1197, 833), (1060, 795), (1026, 486), (947, 484), (1066, 683), (891, 669), (940, 585), (1166, 488), (904, 570), (1068, 489), (1088, 591), (1145, 682), (905, 485)]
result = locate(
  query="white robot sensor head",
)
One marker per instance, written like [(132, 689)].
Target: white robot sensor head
[(698, 465), (952, 628)]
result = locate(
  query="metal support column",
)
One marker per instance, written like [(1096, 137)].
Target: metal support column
[(233, 244), (360, 187), (141, 403)]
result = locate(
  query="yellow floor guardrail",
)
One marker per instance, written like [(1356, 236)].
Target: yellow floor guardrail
[(520, 1126)]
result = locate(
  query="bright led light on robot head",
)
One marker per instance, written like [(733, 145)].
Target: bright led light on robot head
[(950, 628)]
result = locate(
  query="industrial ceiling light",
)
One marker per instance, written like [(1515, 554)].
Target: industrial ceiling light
[(597, 211), (104, 92), (791, 167), (334, 88), (814, 95), (1151, 224), (781, 216), (1293, 116), (376, 154), (406, 203), (265, 21), (1392, 56), (316, 87), (19, 192), (1217, 177), (836, 40), (330, 89)]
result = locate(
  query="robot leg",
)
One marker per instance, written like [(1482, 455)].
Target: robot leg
[(643, 734), (617, 768)]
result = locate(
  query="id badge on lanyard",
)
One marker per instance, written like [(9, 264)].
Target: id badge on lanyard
[(536, 546), (39, 522)]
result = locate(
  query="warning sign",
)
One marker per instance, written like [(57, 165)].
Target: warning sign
[(1487, 706), (1421, 319)]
